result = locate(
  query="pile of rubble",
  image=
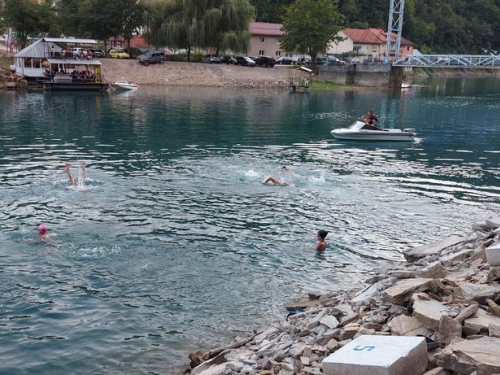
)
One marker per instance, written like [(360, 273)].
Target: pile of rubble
[(447, 293)]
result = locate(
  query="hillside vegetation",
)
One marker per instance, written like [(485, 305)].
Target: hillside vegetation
[(437, 26)]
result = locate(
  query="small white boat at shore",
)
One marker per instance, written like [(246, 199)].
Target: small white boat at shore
[(122, 84), (355, 132)]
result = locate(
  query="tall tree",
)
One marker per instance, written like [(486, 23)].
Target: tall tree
[(188, 24), (132, 17), (310, 25), (22, 16)]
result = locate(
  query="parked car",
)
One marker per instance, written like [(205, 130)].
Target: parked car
[(332, 60), (245, 61), (227, 60), (77, 51), (151, 57), (265, 61), (321, 61), (285, 60), (97, 53), (118, 54), (211, 59)]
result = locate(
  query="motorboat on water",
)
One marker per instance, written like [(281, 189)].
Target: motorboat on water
[(358, 132), (122, 84)]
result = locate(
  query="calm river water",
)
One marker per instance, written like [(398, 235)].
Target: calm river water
[(176, 245)]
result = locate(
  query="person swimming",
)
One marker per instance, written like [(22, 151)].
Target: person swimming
[(43, 235), (276, 181), (76, 181), (321, 245)]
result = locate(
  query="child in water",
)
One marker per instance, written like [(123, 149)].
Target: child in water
[(75, 181), (44, 236), (321, 245)]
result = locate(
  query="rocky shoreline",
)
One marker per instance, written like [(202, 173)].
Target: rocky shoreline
[(446, 292)]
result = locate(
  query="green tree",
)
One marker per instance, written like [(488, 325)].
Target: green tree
[(189, 24), (132, 17), (270, 11), (22, 16), (72, 17), (310, 25)]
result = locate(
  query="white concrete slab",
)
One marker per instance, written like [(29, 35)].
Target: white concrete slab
[(493, 254), (379, 355)]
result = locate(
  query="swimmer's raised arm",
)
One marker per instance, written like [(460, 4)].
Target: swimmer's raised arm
[(71, 180)]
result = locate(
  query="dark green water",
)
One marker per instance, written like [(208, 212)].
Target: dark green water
[(175, 244)]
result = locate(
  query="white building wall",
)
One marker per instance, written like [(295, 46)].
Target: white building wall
[(340, 47)]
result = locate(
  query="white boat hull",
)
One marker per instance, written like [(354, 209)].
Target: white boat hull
[(124, 85), (355, 133)]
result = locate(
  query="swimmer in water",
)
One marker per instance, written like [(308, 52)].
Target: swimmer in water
[(44, 236), (321, 245), (275, 181), (75, 181)]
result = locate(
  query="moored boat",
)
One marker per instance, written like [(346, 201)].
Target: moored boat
[(122, 84), (355, 132)]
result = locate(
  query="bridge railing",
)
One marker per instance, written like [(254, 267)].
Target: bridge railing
[(450, 61)]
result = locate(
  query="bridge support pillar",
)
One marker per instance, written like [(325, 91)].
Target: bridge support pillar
[(396, 77)]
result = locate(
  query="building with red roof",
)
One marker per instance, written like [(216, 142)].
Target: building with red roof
[(265, 39), (369, 42)]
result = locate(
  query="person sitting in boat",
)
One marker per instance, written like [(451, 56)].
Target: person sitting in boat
[(371, 121)]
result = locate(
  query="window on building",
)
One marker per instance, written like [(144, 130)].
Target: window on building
[(374, 49), (278, 53), (278, 40), (27, 62), (407, 48), (261, 53), (262, 39), (37, 63)]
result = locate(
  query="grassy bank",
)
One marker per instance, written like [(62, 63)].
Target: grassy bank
[(5, 62)]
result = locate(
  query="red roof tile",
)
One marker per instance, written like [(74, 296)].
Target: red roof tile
[(266, 29), (373, 36)]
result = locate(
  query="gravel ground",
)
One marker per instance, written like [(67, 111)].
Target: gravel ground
[(173, 73)]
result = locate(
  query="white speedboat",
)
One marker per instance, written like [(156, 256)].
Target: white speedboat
[(121, 84), (355, 132)]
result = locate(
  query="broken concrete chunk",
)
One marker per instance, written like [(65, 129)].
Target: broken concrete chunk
[(402, 291), (477, 292), (416, 253), (403, 325), (480, 322), (466, 313), (467, 356), (330, 321), (433, 271), (429, 313), (448, 329)]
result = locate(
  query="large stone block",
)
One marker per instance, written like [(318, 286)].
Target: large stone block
[(493, 254), (379, 355)]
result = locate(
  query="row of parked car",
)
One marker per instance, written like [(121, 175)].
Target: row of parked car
[(264, 61)]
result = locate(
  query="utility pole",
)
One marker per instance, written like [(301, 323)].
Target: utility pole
[(395, 24)]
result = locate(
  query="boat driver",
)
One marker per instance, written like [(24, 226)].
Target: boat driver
[(371, 121)]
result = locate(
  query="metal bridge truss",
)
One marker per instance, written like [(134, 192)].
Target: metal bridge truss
[(395, 24), (450, 61)]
